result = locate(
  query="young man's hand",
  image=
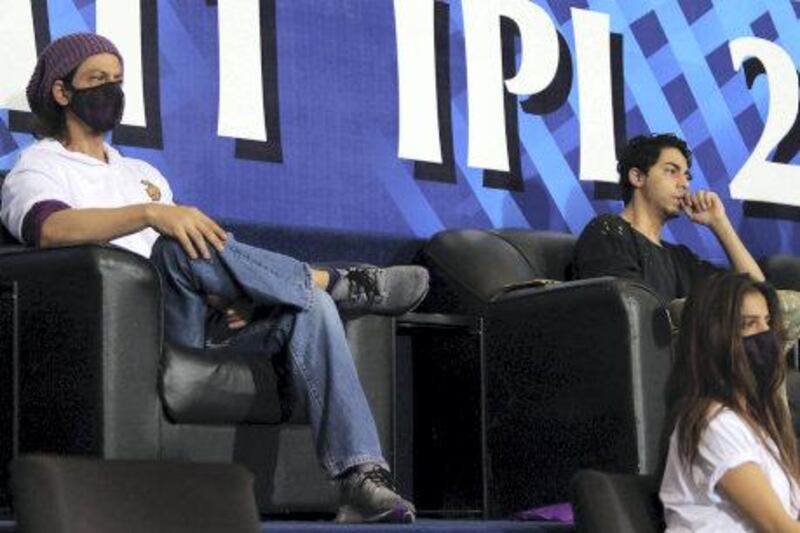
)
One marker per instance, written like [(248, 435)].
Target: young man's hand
[(189, 226), (704, 207)]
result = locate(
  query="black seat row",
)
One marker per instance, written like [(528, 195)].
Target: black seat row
[(570, 373)]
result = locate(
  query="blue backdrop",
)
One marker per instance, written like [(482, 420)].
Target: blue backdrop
[(338, 118)]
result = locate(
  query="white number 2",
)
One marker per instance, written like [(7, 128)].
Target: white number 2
[(761, 180)]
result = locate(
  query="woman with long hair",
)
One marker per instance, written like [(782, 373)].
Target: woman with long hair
[(732, 462)]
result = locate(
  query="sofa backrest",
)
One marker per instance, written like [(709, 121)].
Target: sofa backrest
[(471, 267), (549, 253), (783, 271)]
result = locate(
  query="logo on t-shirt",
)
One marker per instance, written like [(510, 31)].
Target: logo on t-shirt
[(152, 190)]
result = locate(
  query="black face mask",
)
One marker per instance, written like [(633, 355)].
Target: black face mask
[(763, 352), (99, 107)]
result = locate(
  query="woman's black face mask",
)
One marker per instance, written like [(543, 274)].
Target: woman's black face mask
[(99, 107), (763, 352)]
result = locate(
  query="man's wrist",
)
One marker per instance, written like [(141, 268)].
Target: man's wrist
[(720, 225), (148, 214)]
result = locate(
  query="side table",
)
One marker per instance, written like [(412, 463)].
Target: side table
[(440, 438)]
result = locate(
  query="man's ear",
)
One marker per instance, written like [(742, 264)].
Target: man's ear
[(60, 94), (636, 178)]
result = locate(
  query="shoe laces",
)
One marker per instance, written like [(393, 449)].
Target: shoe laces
[(363, 283), (379, 476)]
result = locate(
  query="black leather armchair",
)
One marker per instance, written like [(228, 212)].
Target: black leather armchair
[(572, 372), (95, 378)]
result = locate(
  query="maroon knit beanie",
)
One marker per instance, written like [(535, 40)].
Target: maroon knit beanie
[(60, 58)]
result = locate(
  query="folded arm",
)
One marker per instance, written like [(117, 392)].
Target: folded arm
[(188, 225)]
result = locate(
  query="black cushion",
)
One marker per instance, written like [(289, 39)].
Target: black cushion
[(58, 495), (224, 386)]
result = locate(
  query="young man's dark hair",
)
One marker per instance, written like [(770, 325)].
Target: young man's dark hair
[(642, 152)]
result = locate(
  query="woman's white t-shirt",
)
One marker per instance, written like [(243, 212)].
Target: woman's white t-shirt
[(692, 499)]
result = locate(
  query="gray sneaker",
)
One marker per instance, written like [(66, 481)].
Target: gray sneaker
[(366, 289), (369, 495)]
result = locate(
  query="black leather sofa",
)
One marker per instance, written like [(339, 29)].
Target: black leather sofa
[(571, 373), (93, 376)]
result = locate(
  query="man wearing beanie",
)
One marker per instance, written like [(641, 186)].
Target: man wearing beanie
[(71, 187)]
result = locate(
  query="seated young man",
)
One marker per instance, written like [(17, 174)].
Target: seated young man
[(654, 179), (71, 187)]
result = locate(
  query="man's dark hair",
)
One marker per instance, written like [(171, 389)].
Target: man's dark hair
[(642, 152), (51, 120)]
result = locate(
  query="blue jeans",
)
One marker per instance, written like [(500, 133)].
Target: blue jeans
[(321, 362)]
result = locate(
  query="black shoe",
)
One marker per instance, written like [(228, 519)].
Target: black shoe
[(366, 289), (368, 494)]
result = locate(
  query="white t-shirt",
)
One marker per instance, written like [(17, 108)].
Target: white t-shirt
[(694, 503), (48, 171)]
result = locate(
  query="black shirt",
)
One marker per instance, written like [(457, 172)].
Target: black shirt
[(610, 246)]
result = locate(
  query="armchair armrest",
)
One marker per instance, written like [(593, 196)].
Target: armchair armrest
[(583, 362), (89, 347)]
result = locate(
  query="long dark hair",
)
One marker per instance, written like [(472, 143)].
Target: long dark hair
[(713, 370), (50, 121)]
